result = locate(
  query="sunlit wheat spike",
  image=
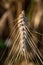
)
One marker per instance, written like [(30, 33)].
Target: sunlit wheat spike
[(23, 39)]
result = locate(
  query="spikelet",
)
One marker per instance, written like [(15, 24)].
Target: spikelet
[(23, 48)]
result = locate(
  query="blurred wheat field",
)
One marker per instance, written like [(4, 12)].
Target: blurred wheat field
[(21, 28)]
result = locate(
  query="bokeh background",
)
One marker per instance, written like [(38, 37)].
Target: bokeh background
[(31, 9)]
